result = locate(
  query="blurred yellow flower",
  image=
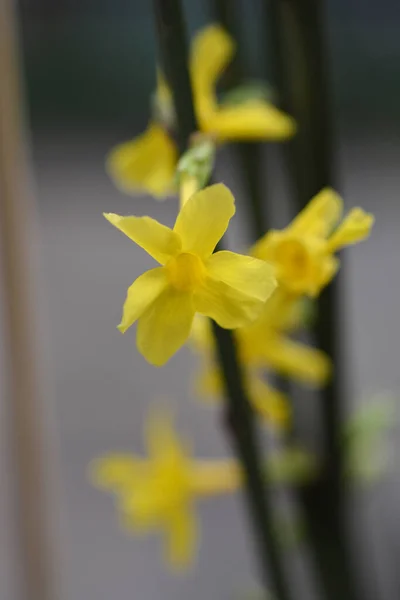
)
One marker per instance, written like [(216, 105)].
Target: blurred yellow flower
[(147, 163), (230, 288), (303, 253), (271, 404), (212, 51), (158, 493), (265, 342)]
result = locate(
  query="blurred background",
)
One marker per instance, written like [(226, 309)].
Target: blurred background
[(89, 73)]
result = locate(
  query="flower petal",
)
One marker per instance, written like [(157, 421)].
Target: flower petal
[(230, 308), (161, 439), (252, 120), (146, 163), (204, 218), (356, 227), (165, 326), (211, 51), (116, 471), (297, 360), (320, 215), (158, 240), (143, 291), (182, 536), (269, 402), (245, 274)]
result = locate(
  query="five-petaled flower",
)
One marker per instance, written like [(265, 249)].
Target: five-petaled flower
[(303, 253), (148, 162), (159, 492), (228, 287)]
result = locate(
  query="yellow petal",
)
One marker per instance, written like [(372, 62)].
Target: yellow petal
[(212, 477), (325, 271), (158, 240), (270, 403), (354, 228), (320, 215), (230, 308), (245, 274), (116, 471), (211, 51), (163, 91), (201, 336), (181, 537), (143, 291), (209, 384), (204, 218), (297, 360), (146, 163), (165, 326), (161, 439), (253, 120)]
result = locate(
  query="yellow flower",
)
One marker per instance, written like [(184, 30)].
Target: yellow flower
[(148, 163), (303, 253), (268, 402), (230, 288), (158, 493), (212, 51), (265, 343)]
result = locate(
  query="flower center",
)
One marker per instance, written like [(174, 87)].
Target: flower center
[(293, 259), (185, 272)]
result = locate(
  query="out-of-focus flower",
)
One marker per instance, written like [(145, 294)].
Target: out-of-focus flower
[(265, 342), (303, 253), (158, 493), (271, 404), (212, 51), (230, 288), (148, 162)]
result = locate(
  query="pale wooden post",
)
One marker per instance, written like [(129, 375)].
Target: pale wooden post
[(23, 393)]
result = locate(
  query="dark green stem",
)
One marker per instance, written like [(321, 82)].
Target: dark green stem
[(296, 29), (171, 30), (249, 153)]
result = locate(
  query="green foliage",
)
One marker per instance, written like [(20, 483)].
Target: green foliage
[(198, 161), (254, 90)]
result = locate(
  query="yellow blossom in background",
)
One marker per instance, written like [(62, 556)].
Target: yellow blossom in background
[(265, 343), (212, 51), (270, 404), (228, 287), (303, 253), (147, 163), (158, 493)]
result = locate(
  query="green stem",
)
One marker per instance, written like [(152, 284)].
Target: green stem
[(301, 77), (171, 30), (249, 153)]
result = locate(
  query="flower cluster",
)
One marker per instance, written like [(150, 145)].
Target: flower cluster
[(148, 163), (260, 294)]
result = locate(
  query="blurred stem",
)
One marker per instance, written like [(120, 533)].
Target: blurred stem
[(296, 29), (171, 32), (249, 153)]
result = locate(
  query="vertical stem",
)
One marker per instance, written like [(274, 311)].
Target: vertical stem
[(250, 153), (23, 389), (301, 76), (240, 418)]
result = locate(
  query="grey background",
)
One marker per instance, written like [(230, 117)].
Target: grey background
[(87, 90)]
